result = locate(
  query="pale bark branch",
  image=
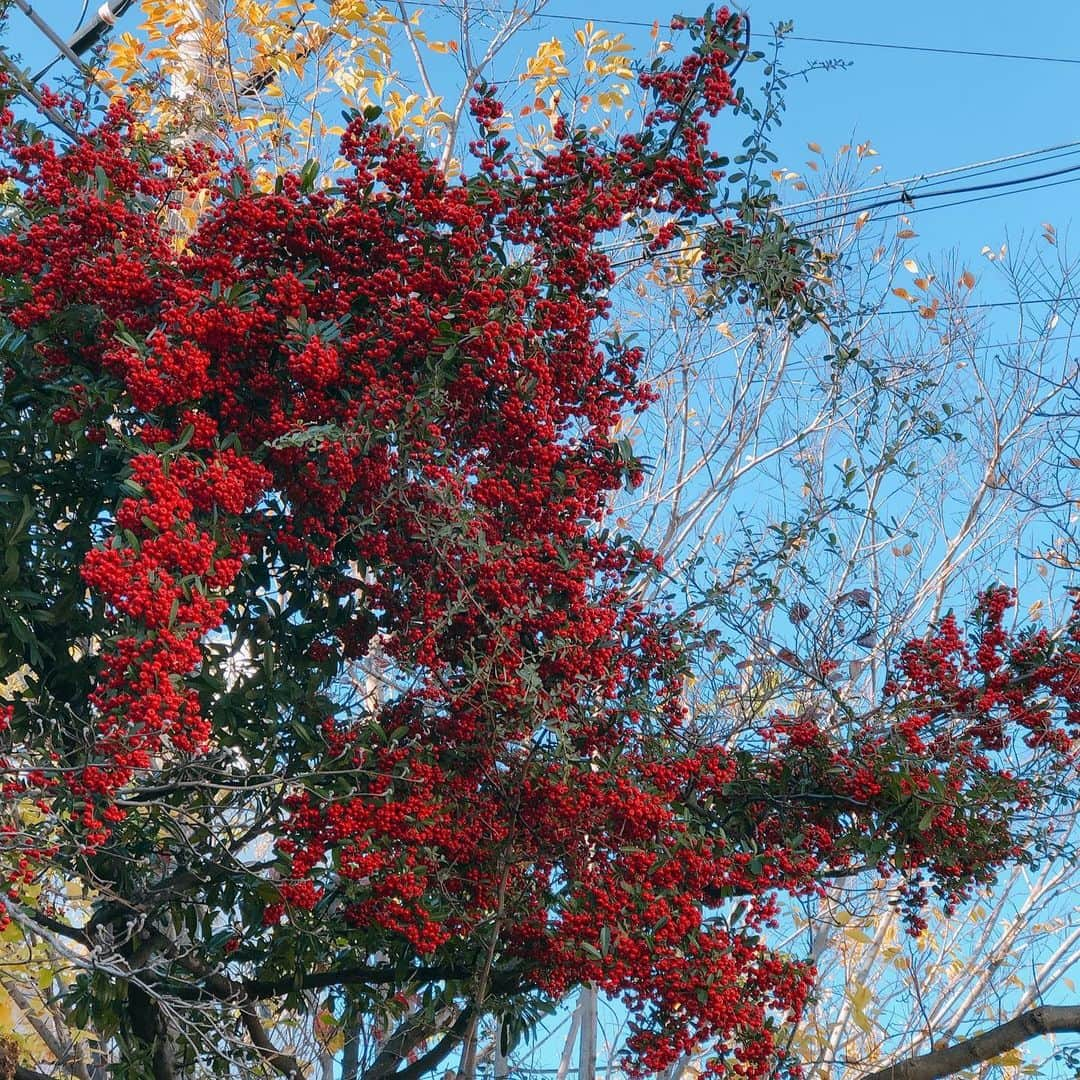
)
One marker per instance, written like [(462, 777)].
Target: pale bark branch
[(1044, 1020)]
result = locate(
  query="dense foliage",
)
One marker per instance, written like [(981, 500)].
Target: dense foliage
[(326, 672)]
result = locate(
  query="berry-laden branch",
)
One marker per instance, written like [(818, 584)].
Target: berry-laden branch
[(374, 427)]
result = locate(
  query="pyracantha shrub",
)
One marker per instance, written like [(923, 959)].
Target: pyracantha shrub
[(324, 671)]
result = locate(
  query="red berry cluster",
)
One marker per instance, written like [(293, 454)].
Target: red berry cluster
[(376, 425)]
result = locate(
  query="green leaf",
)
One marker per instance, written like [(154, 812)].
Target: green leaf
[(308, 175)]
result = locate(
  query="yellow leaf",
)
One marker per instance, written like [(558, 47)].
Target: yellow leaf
[(911, 266), (860, 998), (7, 1015), (814, 148)]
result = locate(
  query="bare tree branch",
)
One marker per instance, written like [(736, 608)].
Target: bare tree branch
[(982, 1048), (285, 1064), (22, 1073)]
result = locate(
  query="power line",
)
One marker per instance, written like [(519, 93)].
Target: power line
[(83, 38), (907, 187), (995, 195), (998, 189), (999, 346), (65, 50), (108, 14), (39, 75), (909, 193), (979, 53), (1053, 300), (906, 197), (639, 23), (982, 168)]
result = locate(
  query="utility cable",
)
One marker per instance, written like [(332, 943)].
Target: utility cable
[(995, 195), (978, 53), (907, 197), (65, 50), (60, 56), (1000, 189), (982, 168)]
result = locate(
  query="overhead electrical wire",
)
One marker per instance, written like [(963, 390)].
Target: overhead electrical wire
[(60, 56), (109, 12), (642, 24), (907, 198), (978, 53), (995, 195), (997, 189), (988, 304), (999, 164), (114, 9)]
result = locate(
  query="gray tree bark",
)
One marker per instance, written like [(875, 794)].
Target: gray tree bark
[(1044, 1020)]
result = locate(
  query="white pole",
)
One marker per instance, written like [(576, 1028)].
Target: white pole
[(188, 77), (568, 1046), (587, 1056), (502, 1065)]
